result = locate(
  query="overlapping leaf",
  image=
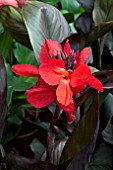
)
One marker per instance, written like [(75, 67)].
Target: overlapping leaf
[(102, 12), (87, 4), (22, 163), (13, 22), (81, 136), (103, 158), (79, 42), (44, 21), (3, 93)]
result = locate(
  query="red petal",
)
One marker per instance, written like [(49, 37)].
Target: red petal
[(64, 92), (70, 108), (50, 71), (54, 47), (49, 49), (78, 89), (80, 75), (70, 117), (84, 54), (25, 70), (41, 95), (22, 2), (95, 83), (9, 2), (67, 48), (44, 54)]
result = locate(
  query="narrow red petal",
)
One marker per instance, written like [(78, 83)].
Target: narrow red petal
[(50, 71), (67, 48), (95, 83), (40, 96), (84, 54), (9, 3), (49, 49), (25, 70), (80, 75), (53, 47), (64, 92), (44, 54)]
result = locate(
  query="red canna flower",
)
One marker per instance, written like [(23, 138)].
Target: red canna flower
[(13, 3), (62, 73), (9, 3)]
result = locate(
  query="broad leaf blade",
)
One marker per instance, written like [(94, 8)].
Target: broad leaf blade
[(102, 158), (22, 163), (83, 24), (103, 11), (79, 42), (44, 21), (82, 135), (12, 21), (3, 93), (6, 42)]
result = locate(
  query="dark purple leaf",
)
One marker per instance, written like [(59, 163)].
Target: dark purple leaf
[(83, 24), (87, 4), (106, 77), (103, 11), (13, 22), (81, 160), (79, 42), (22, 163), (64, 165), (83, 134), (3, 92)]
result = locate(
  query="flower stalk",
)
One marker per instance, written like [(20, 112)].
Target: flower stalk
[(52, 134)]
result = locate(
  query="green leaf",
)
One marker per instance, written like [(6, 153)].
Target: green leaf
[(103, 158), (15, 82), (6, 42), (108, 132), (12, 21), (24, 55), (9, 95), (82, 134), (44, 21), (71, 6), (37, 148), (12, 128)]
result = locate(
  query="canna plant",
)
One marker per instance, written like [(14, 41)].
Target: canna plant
[(59, 85)]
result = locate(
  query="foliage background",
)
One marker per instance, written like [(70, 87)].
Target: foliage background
[(89, 144)]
